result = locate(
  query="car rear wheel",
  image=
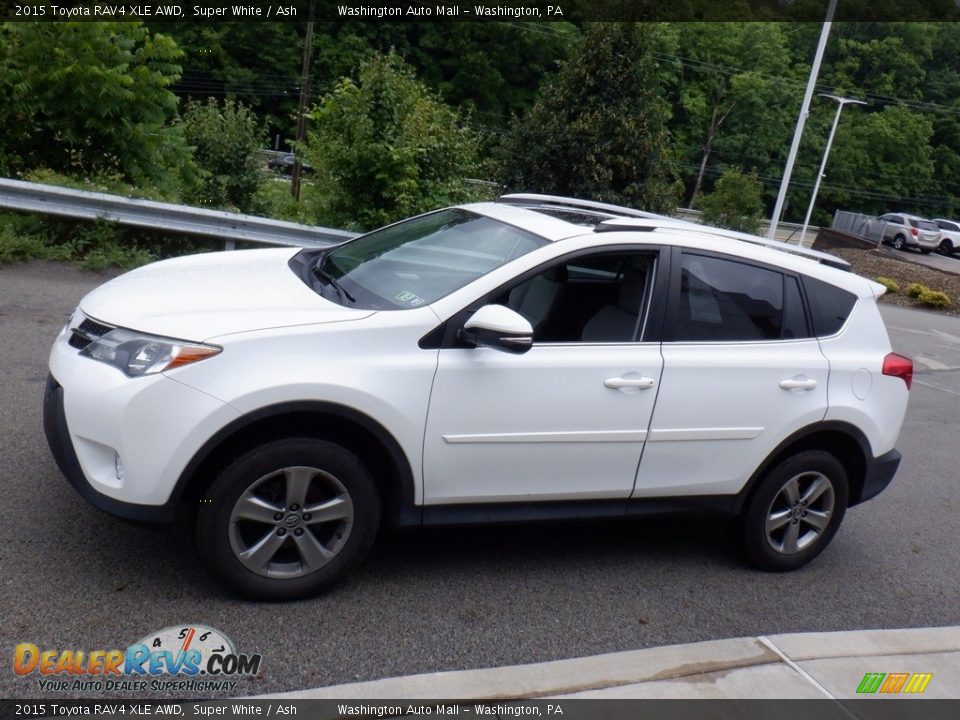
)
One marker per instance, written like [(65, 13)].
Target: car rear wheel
[(288, 519), (899, 242), (795, 511)]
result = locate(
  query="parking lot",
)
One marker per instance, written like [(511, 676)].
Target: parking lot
[(74, 578)]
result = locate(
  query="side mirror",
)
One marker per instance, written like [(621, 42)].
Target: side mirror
[(500, 328)]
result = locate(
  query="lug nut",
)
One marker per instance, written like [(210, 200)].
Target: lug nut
[(282, 531), (278, 516), (306, 516), (294, 507), (298, 532)]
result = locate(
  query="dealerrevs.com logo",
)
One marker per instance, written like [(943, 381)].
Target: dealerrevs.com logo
[(189, 658)]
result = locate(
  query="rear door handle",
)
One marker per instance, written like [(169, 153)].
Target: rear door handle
[(798, 384), (618, 383)]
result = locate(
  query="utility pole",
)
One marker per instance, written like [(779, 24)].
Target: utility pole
[(801, 121), (304, 101), (841, 101)]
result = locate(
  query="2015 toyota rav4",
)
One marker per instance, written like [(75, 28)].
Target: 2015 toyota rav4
[(531, 358)]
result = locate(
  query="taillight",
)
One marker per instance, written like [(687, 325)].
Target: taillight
[(914, 232), (899, 366)]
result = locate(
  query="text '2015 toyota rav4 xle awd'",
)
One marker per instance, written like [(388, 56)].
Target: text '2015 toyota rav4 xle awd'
[(531, 358)]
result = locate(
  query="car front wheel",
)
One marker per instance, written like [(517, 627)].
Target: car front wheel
[(899, 242), (795, 511), (288, 519), (946, 248)]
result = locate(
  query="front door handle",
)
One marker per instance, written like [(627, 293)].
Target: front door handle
[(618, 383), (798, 384)]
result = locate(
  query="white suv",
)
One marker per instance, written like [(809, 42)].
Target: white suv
[(532, 358)]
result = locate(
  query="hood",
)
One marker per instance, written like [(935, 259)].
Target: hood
[(199, 297)]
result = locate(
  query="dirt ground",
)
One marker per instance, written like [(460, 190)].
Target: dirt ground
[(872, 264)]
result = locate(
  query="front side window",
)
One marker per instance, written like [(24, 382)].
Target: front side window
[(418, 261), (724, 300), (944, 225)]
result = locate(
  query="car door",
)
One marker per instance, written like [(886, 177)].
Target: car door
[(567, 419), (741, 373)]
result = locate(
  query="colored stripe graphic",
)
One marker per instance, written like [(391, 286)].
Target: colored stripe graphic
[(918, 682), (894, 683), (870, 683)]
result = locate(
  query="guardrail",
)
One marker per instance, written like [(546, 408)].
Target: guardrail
[(226, 226), (863, 226)]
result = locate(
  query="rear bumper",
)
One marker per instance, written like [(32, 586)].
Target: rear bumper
[(879, 473), (58, 438)]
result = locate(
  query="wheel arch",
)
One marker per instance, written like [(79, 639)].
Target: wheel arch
[(359, 433), (843, 440)]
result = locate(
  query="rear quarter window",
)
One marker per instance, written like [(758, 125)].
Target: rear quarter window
[(830, 306)]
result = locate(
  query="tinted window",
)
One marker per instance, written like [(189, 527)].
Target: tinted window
[(923, 224), (794, 318), (944, 225), (724, 300), (829, 306)]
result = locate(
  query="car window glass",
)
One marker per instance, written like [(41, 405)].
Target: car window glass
[(830, 306), (794, 318), (420, 260), (923, 224), (594, 298), (722, 300)]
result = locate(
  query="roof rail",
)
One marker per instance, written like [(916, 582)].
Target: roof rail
[(558, 201), (648, 224)]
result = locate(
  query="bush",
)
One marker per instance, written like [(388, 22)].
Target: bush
[(225, 141), (735, 203), (914, 290), (385, 147), (934, 298), (889, 283)]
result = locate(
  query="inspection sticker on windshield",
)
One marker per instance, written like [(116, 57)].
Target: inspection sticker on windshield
[(405, 296)]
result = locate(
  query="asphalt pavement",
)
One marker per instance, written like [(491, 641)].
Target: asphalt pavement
[(438, 600)]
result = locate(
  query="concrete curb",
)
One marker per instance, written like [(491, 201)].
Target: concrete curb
[(801, 665)]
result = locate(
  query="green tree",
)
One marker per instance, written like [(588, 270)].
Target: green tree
[(93, 98), (736, 202), (225, 140), (729, 96), (598, 130), (384, 147)]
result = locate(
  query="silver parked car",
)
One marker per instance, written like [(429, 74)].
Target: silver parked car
[(949, 236), (902, 231)]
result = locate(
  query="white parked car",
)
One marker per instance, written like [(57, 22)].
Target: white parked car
[(949, 236), (902, 231), (530, 358)]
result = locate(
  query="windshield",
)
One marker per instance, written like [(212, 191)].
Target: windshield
[(420, 260)]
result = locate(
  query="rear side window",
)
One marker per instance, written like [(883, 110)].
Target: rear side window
[(829, 306), (923, 224), (724, 300)]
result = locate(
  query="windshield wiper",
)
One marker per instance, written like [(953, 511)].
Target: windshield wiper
[(332, 281)]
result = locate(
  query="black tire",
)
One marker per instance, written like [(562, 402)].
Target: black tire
[(251, 504), (771, 549), (899, 243), (945, 248)]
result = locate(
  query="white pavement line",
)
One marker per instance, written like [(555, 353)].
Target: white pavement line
[(932, 364), (936, 387), (796, 668)]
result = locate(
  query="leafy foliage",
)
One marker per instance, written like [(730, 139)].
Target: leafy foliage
[(88, 98), (736, 202), (934, 298), (598, 130), (225, 140), (915, 290), (384, 147), (889, 283)]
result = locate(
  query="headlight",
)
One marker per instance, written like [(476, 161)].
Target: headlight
[(139, 354)]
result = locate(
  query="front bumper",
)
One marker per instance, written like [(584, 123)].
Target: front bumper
[(879, 473), (58, 438)]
